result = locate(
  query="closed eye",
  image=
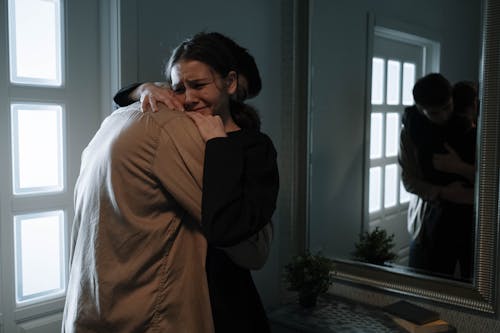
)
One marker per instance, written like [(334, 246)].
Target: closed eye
[(198, 85), (179, 90)]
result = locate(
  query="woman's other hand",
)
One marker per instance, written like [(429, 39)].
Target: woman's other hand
[(209, 126), (153, 93)]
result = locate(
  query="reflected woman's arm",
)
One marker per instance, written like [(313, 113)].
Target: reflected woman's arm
[(413, 179)]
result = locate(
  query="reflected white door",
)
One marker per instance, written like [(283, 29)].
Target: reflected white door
[(49, 109)]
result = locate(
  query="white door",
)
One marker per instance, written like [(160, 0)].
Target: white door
[(50, 90)]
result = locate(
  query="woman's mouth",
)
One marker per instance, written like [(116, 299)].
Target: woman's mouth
[(200, 109)]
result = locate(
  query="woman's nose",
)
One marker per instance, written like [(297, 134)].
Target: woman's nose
[(190, 99)]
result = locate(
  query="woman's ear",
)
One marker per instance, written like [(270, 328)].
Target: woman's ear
[(231, 82)]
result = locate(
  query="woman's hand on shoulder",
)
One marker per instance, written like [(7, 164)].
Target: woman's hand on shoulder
[(209, 126), (153, 93)]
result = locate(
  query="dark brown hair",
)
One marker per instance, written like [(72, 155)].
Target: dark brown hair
[(223, 55)]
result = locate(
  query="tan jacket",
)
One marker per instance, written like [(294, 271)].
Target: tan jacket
[(137, 253)]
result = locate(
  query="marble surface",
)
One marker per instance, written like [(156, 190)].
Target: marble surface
[(334, 315)]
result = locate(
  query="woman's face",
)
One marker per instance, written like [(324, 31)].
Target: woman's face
[(200, 89)]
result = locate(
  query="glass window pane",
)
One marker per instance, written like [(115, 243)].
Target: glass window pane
[(376, 136), (39, 255), (392, 134), (35, 42), (378, 65), (393, 82), (408, 83), (375, 190), (404, 196), (37, 146), (391, 185)]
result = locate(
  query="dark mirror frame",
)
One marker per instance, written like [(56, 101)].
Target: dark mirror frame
[(481, 295)]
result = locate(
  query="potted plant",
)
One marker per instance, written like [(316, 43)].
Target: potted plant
[(310, 275), (375, 247)]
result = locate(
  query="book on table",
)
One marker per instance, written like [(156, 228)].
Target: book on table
[(436, 326), (411, 312), (416, 319)]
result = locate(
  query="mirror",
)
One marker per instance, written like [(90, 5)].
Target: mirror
[(339, 164)]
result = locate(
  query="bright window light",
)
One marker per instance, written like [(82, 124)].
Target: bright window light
[(392, 134), (39, 255), (35, 42), (393, 82), (391, 185), (408, 83), (376, 136), (378, 65), (37, 148), (375, 189)]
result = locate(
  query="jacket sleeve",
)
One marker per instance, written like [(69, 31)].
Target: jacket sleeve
[(411, 173), (122, 97), (240, 188), (179, 163)]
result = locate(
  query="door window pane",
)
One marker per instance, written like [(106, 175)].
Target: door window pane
[(375, 190), (392, 134), (39, 255), (378, 80), (376, 136), (35, 42), (37, 146), (408, 83), (391, 185), (393, 82)]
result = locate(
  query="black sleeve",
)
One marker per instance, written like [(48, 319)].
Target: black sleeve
[(122, 97), (240, 188)]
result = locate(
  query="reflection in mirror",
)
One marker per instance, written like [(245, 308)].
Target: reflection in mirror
[(340, 148), (422, 151), (403, 45), (436, 159)]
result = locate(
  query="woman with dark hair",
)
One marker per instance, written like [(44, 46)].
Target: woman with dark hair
[(209, 76), (149, 93)]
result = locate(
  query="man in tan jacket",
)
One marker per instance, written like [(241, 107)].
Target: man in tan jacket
[(137, 252)]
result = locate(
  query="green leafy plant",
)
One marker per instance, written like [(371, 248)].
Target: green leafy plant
[(375, 247), (310, 275)]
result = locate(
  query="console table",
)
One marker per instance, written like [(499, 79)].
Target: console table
[(332, 315)]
